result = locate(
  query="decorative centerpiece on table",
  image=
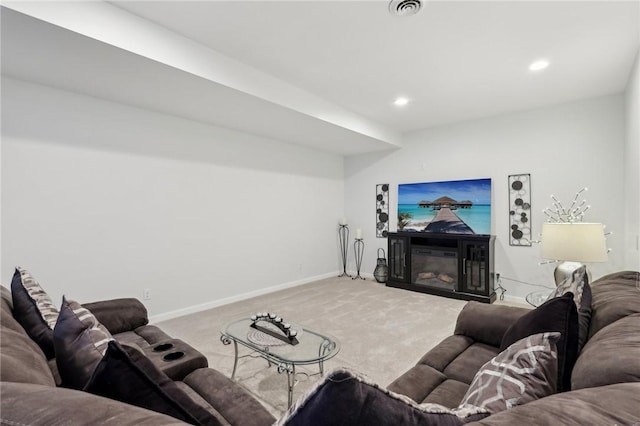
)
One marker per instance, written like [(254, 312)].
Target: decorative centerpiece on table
[(272, 330)]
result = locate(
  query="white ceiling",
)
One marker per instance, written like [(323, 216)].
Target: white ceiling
[(325, 73), (455, 59)]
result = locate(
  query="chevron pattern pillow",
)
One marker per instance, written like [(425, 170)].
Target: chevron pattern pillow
[(34, 310), (578, 284), (80, 343), (525, 371)]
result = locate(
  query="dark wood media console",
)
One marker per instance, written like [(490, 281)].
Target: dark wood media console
[(460, 266)]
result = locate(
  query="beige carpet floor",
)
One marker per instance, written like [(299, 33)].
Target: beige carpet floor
[(383, 331)]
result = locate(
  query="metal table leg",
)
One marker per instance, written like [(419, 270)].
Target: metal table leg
[(226, 341), (325, 347), (235, 360), (291, 380)]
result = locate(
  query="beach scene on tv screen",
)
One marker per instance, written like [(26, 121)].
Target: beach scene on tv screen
[(455, 207)]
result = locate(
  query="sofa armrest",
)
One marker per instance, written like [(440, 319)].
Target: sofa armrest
[(29, 404), (487, 323), (119, 315)]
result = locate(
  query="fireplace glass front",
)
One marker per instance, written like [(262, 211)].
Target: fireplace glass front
[(434, 267)]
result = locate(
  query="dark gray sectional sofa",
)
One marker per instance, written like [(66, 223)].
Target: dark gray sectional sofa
[(30, 393), (603, 386), (610, 359), (604, 377)]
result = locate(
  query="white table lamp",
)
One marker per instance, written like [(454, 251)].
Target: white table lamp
[(573, 244)]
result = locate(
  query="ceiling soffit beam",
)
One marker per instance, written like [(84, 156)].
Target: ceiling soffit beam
[(109, 24)]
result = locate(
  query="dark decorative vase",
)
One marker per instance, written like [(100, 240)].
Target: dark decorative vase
[(382, 270)]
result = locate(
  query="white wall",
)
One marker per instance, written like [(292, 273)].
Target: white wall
[(564, 148), (632, 170), (101, 200)]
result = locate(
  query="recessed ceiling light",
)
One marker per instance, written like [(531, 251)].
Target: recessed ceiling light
[(401, 101), (539, 65)]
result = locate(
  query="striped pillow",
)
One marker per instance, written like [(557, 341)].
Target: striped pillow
[(80, 343), (34, 310)]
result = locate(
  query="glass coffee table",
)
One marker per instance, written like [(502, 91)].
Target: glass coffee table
[(311, 347)]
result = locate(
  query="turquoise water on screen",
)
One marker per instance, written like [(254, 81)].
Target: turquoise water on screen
[(477, 217)]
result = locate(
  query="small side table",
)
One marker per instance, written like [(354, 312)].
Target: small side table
[(537, 298)]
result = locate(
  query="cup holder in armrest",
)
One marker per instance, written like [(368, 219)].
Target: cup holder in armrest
[(163, 347), (173, 356)]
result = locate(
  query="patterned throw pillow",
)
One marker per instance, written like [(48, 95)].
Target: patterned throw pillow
[(527, 370), (574, 284), (557, 314), (578, 284), (34, 310), (80, 343)]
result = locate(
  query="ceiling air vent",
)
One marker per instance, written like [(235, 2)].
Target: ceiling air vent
[(404, 7)]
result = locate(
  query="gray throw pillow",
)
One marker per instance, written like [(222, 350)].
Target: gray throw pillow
[(578, 284), (80, 343), (574, 284), (525, 371), (34, 310)]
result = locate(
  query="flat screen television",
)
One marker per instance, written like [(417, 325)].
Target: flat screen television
[(451, 207)]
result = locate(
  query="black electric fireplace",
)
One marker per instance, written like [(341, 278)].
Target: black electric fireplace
[(451, 265), (434, 267)]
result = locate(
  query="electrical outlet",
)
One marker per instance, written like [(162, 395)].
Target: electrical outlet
[(146, 294)]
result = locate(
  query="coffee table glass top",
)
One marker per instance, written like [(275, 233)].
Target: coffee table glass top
[(312, 346)]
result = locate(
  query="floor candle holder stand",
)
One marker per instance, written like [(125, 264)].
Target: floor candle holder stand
[(343, 234), (358, 248)]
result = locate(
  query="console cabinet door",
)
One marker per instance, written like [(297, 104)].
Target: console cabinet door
[(398, 259), (475, 268)]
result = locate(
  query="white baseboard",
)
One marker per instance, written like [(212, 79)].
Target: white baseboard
[(237, 298), (510, 300)]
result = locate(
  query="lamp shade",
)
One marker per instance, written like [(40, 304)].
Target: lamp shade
[(575, 242)]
